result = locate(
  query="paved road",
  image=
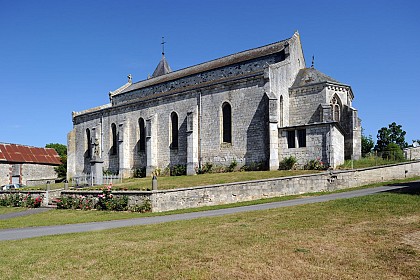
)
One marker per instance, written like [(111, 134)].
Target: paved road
[(23, 213), (22, 233)]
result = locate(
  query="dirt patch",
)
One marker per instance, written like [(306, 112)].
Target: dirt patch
[(412, 239)]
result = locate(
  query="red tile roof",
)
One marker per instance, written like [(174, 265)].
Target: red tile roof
[(26, 154)]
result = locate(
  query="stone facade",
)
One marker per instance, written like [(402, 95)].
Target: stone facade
[(27, 173), (236, 108)]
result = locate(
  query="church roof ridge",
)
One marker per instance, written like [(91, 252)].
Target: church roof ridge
[(310, 76), (213, 64)]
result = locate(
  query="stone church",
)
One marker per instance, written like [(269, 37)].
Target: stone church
[(257, 106)]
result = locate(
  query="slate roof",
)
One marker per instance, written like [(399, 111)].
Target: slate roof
[(162, 68), (310, 76), (25, 154), (210, 65)]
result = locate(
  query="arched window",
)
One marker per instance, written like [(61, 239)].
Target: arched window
[(227, 123), (114, 145), (88, 144), (281, 111), (335, 108), (142, 130), (174, 131)]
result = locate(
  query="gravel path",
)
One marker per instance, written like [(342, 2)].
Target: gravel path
[(22, 233)]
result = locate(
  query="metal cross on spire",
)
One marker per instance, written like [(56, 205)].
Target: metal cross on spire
[(163, 45)]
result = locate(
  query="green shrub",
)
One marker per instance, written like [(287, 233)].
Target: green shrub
[(178, 170), (393, 152), (231, 166), (19, 200), (254, 166), (206, 168), (140, 172), (315, 164), (288, 163), (146, 206)]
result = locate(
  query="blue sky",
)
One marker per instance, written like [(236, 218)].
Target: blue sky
[(62, 56)]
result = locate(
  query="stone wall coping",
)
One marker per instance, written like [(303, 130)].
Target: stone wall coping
[(242, 182), (94, 192), (24, 192), (336, 171), (327, 173)]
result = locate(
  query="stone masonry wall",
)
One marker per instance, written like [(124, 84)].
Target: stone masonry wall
[(166, 200), (28, 172), (5, 173), (249, 124), (412, 153), (316, 145), (37, 172), (249, 136)]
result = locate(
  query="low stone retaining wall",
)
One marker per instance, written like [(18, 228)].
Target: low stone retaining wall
[(46, 196), (134, 197), (166, 200)]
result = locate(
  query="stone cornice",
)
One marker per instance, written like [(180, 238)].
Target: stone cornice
[(320, 86)]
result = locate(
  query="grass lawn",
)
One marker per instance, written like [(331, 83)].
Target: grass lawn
[(171, 182), (366, 162), (61, 217), (371, 237)]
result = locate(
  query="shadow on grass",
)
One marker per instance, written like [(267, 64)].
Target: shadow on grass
[(412, 188)]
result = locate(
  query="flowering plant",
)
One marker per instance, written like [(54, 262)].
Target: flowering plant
[(315, 164)]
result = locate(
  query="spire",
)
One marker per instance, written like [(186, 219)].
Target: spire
[(163, 67), (313, 61)]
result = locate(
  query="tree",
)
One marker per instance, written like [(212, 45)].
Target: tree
[(62, 152), (392, 134), (393, 152), (367, 145)]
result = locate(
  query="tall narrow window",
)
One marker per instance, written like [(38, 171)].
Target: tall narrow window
[(227, 122), (114, 145), (88, 144), (335, 109), (291, 139), (174, 131), (142, 131), (281, 111), (301, 137)]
